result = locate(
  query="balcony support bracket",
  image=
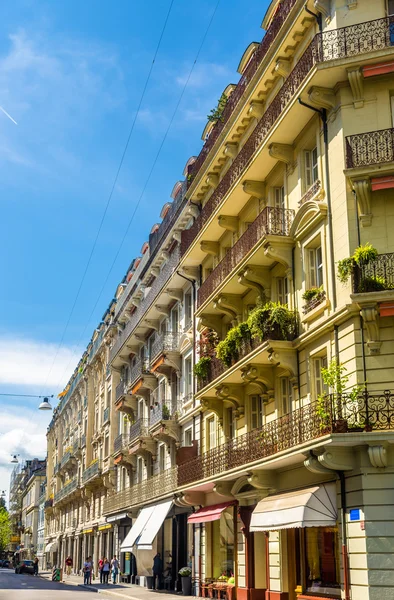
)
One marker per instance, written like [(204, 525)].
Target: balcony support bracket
[(370, 316), (282, 152), (256, 278), (208, 247), (231, 149), (323, 98), (215, 405), (362, 189), (211, 321), (279, 250), (231, 305), (257, 189), (234, 396), (175, 294), (356, 81), (262, 377), (229, 223)]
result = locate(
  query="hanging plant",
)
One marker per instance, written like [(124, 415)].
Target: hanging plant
[(201, 368), (362, 256), (312, 293), (228, 349)]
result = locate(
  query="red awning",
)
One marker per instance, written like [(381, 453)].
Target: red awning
[(209, 513)]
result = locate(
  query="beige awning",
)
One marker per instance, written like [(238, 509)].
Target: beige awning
[(51, 547), (311, 507)]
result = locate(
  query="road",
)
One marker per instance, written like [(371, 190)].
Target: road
[(27, 587)]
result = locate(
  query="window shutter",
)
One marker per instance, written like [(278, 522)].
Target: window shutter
[(312, 268), (308, 169)]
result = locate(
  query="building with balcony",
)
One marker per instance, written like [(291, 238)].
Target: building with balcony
[(31, 499), (248, 356)]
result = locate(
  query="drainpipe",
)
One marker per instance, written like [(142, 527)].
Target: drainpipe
[(323, 115), (345, 558), (317, 16), (361, 319)]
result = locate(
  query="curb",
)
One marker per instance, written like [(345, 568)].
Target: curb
[(91, 588)]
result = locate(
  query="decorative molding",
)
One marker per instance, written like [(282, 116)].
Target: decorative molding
[(229, 304), (223, 488), (256, 109), (191, 272), (228, 222), (283, 67), (322, 97), (377, 455), (193, 211), (232, 394), (177, 235), (190, 499), (336, 459), (258, 278), (231, 149), (370, 316), (323, 7), (215, 405), (312, 464), (362, 187), (282, 152), (283, 356), (211, 321), (212, 180), (262, 377), (212, 248), (254, 188), (174, 294), (263, 480), (356, 81), (163, 309), (279, 250)]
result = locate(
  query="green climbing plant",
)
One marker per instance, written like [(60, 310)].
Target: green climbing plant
[(216, 113)]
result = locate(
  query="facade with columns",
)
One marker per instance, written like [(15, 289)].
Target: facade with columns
[(248, 373)]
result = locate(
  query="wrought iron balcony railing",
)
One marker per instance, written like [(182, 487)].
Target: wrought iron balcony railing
[(139, 429), (216, 367), (370, 411), (93, 471), (48, 503), (70, 487), (271, 221), (326, 46), (313, 190), (121, 389), (260, 53), (149, 299), (106, 415), (166, 342), (163, 410), (140, 368), (66, 458), (152, 488), (375, 276), (76, 446), (372, 148), (121, 441), (314, 302)]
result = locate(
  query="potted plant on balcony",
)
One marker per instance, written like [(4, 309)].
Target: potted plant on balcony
[(186, 578), (228, 349), (361, 257), (201, 368), (313, 297), (216, 113)]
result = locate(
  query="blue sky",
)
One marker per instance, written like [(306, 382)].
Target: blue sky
[(71, 76)]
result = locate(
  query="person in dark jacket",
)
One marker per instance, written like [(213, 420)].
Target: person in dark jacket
[(157, 570)]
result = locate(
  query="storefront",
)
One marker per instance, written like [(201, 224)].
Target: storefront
[(51, 552), (303, 524)]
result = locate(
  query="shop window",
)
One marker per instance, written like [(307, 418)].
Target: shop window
[(319, 363), (318, 561), (286, 395), (256, 412), (188, 437), (311, 171), (223, 545), (211, 433), (315, 267)]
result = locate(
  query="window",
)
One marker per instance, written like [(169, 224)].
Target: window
[(211, 433), (318, 364), (162, 457), (140, 409), (311, 167), (188, 437), (286, 395), (106, 446), (390, 7), (279, 197), (222, 539), (256, 412), (188, 376), (140, 469), (231, 423), (188, 310), (282, 290), (175, 320), (315, 267)]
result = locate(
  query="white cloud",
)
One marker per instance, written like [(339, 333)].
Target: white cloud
[(26, 362), (21, 432), (204, 74)]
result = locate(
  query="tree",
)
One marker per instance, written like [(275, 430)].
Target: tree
[(2, 502), (5, 529)]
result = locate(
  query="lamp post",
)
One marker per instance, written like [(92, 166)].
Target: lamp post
[(45, 404)]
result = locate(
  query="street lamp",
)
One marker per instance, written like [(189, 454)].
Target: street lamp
[(14, 459), (45, 404)]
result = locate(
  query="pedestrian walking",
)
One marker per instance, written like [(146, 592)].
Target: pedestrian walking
[(69, 565), (87, 571), (114, 569), (105, 571), (100, 568), (35, 566), (157, 571)]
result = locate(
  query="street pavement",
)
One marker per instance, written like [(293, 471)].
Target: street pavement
[(27, 587)]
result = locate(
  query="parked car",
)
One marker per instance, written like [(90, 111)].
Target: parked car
[(5, 563), (26, 566)]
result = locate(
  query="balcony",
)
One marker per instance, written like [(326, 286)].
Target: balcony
[(56, 469), (139, 429), (67, 490), (121, 442), (67, 458), (271, 221), (369, 412), (240, 91), (165, 353), (216, 367), (151, 489), (48, 504), (163, 410), (92, 473), (368, 149), (83, 440), (327, 46), (147, 302), (376, 276)]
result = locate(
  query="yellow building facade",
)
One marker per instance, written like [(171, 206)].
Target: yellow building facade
[(247, 361)]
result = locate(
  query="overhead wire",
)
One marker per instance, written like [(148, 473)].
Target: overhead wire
[(149, 175), (111, 192)]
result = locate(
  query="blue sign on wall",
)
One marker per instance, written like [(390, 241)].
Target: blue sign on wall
[(355, 514)]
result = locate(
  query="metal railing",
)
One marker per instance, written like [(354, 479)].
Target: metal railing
[(375, 276), (76, 446), (309, 194), (372, 148), (93, 471), (121, 441), (216, 367), (314, 302), (271, 221), (67, 456), (70, 487), (333, 414), (165, 342), (106, 415), (255, 61), (326, 46), (149, 299), (152, 488), (121, 389), (163, 410), (140, 368), (156, 238), (139, 429)]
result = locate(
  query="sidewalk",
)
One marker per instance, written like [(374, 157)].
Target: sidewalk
[(119, 590)]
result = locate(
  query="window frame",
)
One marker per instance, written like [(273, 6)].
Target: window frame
[(311, 167), (257, 412)]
